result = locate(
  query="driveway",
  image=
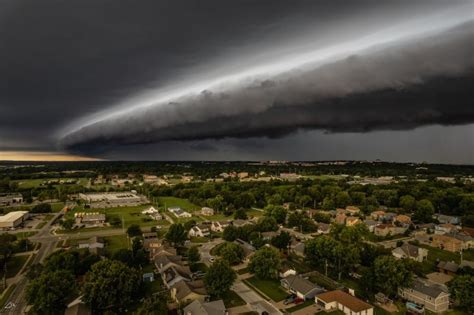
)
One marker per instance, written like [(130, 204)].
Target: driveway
[(255, 301)]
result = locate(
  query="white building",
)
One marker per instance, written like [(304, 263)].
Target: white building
[(219, 226), (206, 211), (114, 199), (199, 230), (13, 219), (180, 213)]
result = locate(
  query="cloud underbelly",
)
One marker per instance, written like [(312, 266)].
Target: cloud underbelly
[(399, 86)]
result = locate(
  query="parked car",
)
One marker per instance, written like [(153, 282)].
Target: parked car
[(289, 299), (211, 259), (298, 300)]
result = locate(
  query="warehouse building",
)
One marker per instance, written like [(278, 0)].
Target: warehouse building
[(11, 200), (114, 199), (12, 219)]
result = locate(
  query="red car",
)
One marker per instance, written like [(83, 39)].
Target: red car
[(298, 301)]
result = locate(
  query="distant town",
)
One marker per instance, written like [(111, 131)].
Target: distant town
[(269, 237)]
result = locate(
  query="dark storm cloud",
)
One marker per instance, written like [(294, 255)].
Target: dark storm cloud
[(388, 87)]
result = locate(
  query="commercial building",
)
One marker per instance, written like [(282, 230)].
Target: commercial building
[(114, 199), (10, 200), (12, 219)]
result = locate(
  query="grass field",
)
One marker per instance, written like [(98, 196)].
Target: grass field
[(130, 215), (232, 299), (33, 183), (270, 288), (177, 202), (114, 243), (14, 265)]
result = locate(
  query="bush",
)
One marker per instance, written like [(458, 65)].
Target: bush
[(42, 208)]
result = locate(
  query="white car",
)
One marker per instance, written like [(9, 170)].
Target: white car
[(211, 259)]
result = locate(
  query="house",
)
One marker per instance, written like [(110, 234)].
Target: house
[(160, 249), (351, 221), (240, 222), (93, 242), (200, 230), (198, 307), (175, 273), (324, 228), (162, 262), (427, 227), (388, 229), (466, 239), (445, 228), (340, 300), (95, 245), (219, 226), (341, 218), (186, 291), (179, 213), (448, 267), (286, 271), (353, 210), (377, 215), (447, 219), (268, 235), (411, 252), (388, 217), (433, 297), (298, 249), (206, 211), (91, 219), (10, 200), (402, 219), (468, 231), (447, 242), (77, 307), (371, 224), (152, 212), (303, 288), (249, 250)]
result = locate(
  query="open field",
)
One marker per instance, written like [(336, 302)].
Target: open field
[(34, 183), (177, 202), (114, 243), (14, 265)]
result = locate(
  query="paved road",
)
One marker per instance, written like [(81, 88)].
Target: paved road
[(255, 301), (48, 244), (205, 250)]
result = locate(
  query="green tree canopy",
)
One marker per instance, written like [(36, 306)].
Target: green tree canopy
[(176, 234), (265, 263), (462, 290), (219, 278), (231, 252), (110, 285)]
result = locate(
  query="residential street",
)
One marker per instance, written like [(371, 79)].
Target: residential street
[(255, 301), (205, 250)]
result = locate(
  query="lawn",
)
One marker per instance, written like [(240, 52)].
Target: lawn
[(177, 202), (14, 265), (130, 215), (270, 288), (114, 243), (33, 183), (435, 255), (199, 240), (232, 299), (254, 213)]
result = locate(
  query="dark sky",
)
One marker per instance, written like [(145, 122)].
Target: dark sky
[(234, 80)]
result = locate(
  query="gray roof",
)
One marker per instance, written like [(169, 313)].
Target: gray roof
[(301, 285), (205, 308), (431, 290), (448, 265)]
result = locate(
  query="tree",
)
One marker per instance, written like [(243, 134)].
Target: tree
[(240, 214), (387, 275), (134, 230), (266, 224), (462, 290), (110, 285), (50, 292), (424, 211), (188, 225), (176, 234), (230, 233), (408, 202), (42, 208), (67, 224), (154, 305), (265, 263), (276, 212), (231, 252), (219, 278), (281, 241), (342, 199), (193, 257)]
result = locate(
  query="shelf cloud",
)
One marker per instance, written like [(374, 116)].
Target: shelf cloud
[(380, 85)]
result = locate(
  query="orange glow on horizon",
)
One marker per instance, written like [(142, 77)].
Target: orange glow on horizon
[(41, 156)]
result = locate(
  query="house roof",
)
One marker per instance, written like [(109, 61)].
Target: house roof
[(341, 297), (410, 250), (431, 290), (448, 265), (205, 308), (299, 247), (300, 284), (184, 288)]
